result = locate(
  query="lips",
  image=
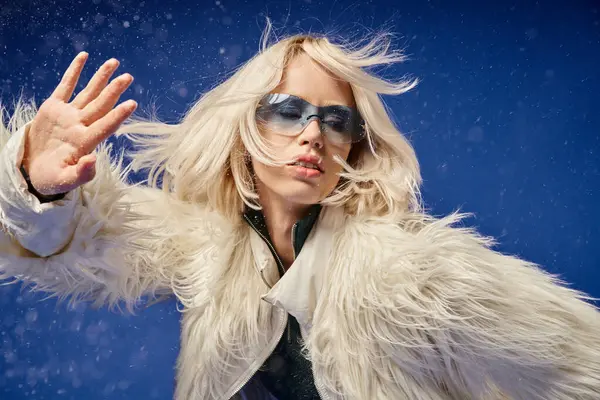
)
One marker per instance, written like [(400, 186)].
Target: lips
[(309, 161), (300, 172), (307, 165)]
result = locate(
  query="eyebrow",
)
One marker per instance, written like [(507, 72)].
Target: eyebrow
[(333, 103), (326, 103)]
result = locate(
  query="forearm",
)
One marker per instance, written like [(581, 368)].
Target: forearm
[(42, 228), (96, 244), (517, 328)]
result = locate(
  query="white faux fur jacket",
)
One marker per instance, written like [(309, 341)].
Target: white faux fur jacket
[(416, 308)]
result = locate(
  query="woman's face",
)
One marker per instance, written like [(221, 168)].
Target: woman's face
[(293, 183)]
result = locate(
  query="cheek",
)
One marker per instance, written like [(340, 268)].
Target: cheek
[(342, 152), (263, 172), (274, 141), (334, 168), (271, 177), (280, 146), (345, 151)]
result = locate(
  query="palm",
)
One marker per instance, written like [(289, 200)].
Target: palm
[(58, 152)]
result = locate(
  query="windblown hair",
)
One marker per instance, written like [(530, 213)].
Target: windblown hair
[(23, 112), (205, 157)]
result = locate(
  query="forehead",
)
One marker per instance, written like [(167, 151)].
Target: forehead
[(305, 78)]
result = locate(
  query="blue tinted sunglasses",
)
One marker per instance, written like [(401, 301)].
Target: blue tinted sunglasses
[(288, 115)]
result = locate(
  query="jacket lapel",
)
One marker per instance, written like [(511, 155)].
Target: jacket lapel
[(298, 291)]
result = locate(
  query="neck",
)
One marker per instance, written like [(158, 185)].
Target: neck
[(280, 216)]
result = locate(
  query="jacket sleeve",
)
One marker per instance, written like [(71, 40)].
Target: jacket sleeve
[(501, 326), (100, 243), (439, 314)]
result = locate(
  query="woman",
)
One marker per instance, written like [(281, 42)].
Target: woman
[(283, 212)]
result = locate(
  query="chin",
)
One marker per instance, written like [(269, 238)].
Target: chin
[(302, 193), (294, 189), (302, 198)]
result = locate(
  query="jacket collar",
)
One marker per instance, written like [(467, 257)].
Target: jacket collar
[(300, 230), (298, 291)]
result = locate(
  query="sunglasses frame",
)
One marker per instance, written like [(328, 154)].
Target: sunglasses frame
[(316, 112)]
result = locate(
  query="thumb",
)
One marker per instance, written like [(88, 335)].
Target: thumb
[(86, 168)]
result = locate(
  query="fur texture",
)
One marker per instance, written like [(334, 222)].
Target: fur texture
[(436, 314), (107, 258)]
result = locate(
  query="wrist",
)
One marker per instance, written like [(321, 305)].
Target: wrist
[(43, 198)]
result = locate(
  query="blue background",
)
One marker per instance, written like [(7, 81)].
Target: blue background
[(505, 122)]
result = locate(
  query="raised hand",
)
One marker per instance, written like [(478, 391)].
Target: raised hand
[(63, 134)]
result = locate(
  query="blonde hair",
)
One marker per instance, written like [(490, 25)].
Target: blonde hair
[(204, 158)]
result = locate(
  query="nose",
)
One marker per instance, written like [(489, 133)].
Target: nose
[(312, 135)]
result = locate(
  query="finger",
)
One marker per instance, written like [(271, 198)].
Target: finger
[(86, 168), (77, 174), (96, 84), (107, 99), (67, 84), (106, 126)]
